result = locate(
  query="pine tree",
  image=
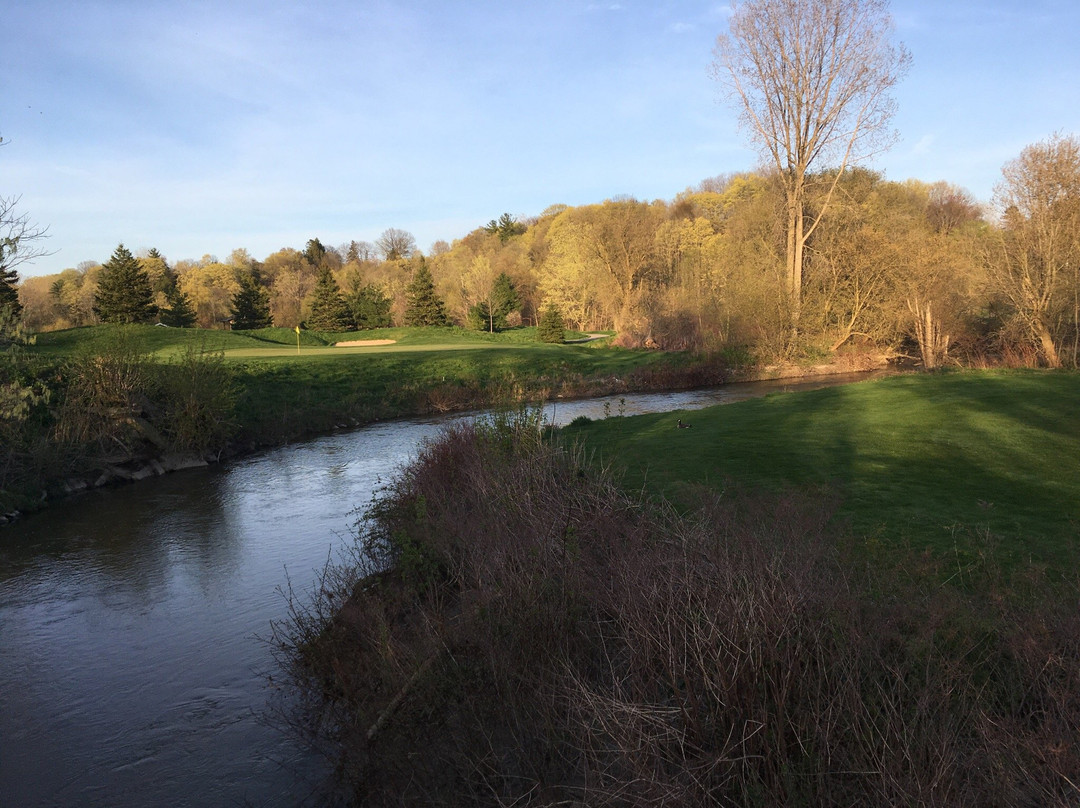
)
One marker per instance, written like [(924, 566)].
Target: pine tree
[(9, 294), (328, 309), (479, 317), (124, 293), (251, 305), (422, 305), (504, 299), (369, 305), (551, 327), (179, 313)]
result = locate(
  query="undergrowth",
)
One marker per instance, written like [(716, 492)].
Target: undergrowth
[(513, 628)]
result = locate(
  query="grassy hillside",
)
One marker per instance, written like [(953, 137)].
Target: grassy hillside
[(283, 391), (956, 463)]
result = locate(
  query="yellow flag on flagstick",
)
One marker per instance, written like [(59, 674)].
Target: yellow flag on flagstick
[(298, 339)]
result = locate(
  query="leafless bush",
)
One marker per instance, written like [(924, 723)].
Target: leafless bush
[(106, 395), (536, 636)]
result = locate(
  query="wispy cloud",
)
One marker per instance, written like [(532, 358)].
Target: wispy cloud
[(922, 146)]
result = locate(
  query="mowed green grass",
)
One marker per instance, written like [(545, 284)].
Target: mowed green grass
[(929, 462), (286, 392), (270, 343)]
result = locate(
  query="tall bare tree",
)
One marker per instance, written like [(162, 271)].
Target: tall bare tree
[(19, 239), (811, 79), (395, 244), (1039, 265)]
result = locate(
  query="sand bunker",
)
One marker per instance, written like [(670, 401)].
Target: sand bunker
[(362, 342)]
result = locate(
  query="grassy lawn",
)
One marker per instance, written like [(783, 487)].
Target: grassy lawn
[(281, 342), (930, 461), (286, 392)]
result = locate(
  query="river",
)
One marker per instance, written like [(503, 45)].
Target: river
[(132, 672)]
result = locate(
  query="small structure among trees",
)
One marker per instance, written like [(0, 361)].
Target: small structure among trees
[(124, 293)]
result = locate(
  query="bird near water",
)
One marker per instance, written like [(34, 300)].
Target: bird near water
[(681, 425)]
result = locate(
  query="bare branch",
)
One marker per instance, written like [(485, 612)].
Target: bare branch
[(811, 79), (19, 236)]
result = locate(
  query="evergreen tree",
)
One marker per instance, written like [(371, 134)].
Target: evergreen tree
[(314, 252), (506, 227), (551, 327), (369, 305), (328, 309), (179, 313), (422, 305), (504, 299), (162, 277), (251, 305), (9, 294), (479, 317), (124, 293), (490, 314)]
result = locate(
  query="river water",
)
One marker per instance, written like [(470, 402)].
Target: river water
[(132, 672)]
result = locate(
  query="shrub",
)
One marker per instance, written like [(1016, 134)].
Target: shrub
[(551, 327), (106, 393), (197, 395), (546, 638)]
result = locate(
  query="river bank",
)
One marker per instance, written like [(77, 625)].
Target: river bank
[(549, 633), (275, 408)]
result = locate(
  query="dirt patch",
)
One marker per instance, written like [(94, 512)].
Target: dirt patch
[(361, 342)]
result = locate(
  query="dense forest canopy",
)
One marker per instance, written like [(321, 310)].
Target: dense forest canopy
[(912, 267)]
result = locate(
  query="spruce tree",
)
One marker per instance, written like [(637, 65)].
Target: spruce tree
[(328, 309), (479, 318), (504, 299), (251, 305), (179, 312), (551, 327), (369, 305), (9, 294), (124, 293), (422, 305)]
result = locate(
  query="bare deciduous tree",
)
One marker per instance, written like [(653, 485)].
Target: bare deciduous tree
[(395, 244), (812, 81), (19, 243), (1039, 265)]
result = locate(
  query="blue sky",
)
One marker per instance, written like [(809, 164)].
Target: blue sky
[(200, 127)]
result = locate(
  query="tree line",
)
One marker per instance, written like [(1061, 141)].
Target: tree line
[(910, 267)]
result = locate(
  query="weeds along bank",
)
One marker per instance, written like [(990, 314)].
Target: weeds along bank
[(108, 404), (515, 629)]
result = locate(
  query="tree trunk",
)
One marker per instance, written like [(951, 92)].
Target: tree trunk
[(795, 243), (933, 345), (1046, 341)]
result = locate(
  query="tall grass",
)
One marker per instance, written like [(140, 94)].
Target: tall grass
[(516, 629)]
